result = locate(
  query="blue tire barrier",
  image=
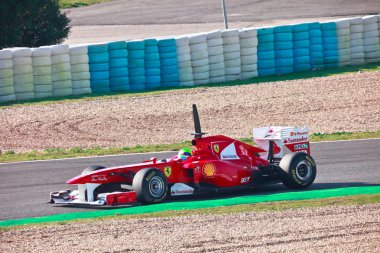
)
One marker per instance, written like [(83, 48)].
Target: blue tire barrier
[(119, 83), (98, 48), (268, 55), (168, 61), (301, 60), (166, 43), (301, 35), (329, 33), (301, 27), (150, 42), (301, 43), (266, 64), (282, 29), (266, 72), (135, 45), (119, 72), (136, 54), (163, 50), (330, 53), (314, 26), (152, 56), (301, 51), (283, 37), (152, 64), (169, 84), (169, 70), (118, 53), (330, 40), (316, 41), (267, 38), (169, 78), (151, 50), (100, 75), (117, 45), (302, 67), (283, 45), (98, 57), (152, 82), (263, 47), (328, 26), (316, 54), (137, 72), (118, 63), (284, 54), (136, 63), (100, 86), (168, 55), (264, 31), (99, 66), (284, 62), (331, 60), (284, 70), (315, 33)]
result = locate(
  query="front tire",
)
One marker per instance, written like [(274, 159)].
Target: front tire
[(150, 186), (298, 170)]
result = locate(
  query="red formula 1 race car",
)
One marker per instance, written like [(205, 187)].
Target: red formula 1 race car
[(215, 164)]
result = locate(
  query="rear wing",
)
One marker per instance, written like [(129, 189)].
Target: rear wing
[(284, 139)]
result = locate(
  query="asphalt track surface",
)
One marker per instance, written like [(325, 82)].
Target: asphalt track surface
[(148, 12), (25, 186)]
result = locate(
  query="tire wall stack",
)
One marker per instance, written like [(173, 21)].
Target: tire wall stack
[(152, 65), (7, 92), (80, 70), (215, 50), (371, 39), (187, 60), (118, 64), (185, 71), (266, 59), (98, 59), (231, 53), (23, 73), (136, 65), (199, 58), (169, 64)]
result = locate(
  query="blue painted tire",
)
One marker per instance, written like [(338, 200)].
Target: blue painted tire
[(169, 84), (101, 90), (329, 33), (100, 84), (152, 57), (283, 37), (267, 38), (123, 87), (118, 53), (98, 57), (151, 50), (100, 48), (316, 41), (264, 47), (99, 67), (136, 54), (284, 62), (302, 68), (315, 33), (119, 81), (301, 43), (118, 63), (119, 72), (170, 49), (284, 70), (153, 72), (328, 26), (150, 42), (135, 45), (117, 45), (330, 40), (152, 64), (314, 26), (266, 72), (301, 27), (283, 54), (169, 70), (330, 47), (330, 65), (301, 60), (137, 72), (153, 80), (166, 43), (282, 29), (266, 64), (136, 63), (168, 61), (137, 79), (169, 78), (100, 75), (301, 51), (268, 55), (264, 31), (301, 35), (168, 55), (283, 45)]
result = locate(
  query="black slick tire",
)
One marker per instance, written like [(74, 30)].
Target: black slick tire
[(150, 186)]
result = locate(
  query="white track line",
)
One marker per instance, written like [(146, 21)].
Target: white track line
[(159, 152)]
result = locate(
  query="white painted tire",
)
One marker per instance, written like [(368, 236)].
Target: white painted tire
[(232, 63), (43, 94), (356, 21), (43, 88), (358, 49), (6, 64), (201, 76), (370, 19), (61, 67), (356, 29), (199, 63), (217, 66), (8, 98), (214, 35), (373, 55), (215, 50), (233, 71), (79, 68), (43, 80), (60, 49), (370, 41), (21, 79), (199, 55), (81, 84), (247, 60), (79, 58), (41, 52), (356, 56), (6, 82), (80, 76), (41, 61), (182, 42), (248, 75), (370, 34), (21, 52), (22, 69), (216, 58), (248, 51), (356, 43), (248, 33), (183, 50), (24, 96), (184, 64), (197, 38), (217, 79), (217, 73), (231, 56), (64, 84), (372, 48), (342, 23), (62, 92), (343, 32), (230, 33), (231, 40), (42, 70), (6, 73), (355, 36), (201, 81), (370, 27), (20, 61), (61, 76), (185, 77), (201, 69), (5, 54), (78, 50), (61, 58), (198, 47), (186, 83), (249, 43), (24, 87), (356, 62), (82, 91), (230, 78), (214, 42), (184, 57), (231, 48), (4, 91), (372, 60), (248, 68)]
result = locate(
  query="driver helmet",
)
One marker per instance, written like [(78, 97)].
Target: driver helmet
[(184, 154)]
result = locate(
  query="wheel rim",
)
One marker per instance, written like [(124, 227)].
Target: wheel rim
[(156, 187), (304, 170)]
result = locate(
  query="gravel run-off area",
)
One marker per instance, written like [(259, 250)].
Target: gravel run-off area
[(326, 229), (347, 102)]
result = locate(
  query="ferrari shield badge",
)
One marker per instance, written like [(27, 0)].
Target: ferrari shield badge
[(216, 148), (168, 171)]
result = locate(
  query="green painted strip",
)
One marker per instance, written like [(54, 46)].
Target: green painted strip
[(189, 205)]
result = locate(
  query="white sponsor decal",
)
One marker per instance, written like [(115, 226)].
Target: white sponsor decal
[(179, 189), (244, 180), (301, 146), (96, 178), (229, 153)]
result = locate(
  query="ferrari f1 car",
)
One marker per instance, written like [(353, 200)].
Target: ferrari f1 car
[(216, 163)]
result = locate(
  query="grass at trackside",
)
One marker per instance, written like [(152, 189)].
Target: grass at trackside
[(56, 153), (255, 80), (224, 210), (78, 3)]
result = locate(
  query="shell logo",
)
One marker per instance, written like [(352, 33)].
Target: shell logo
[(209, 169)]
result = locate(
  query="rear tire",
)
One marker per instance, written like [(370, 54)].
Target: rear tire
[(150, 186), (298, 170)]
